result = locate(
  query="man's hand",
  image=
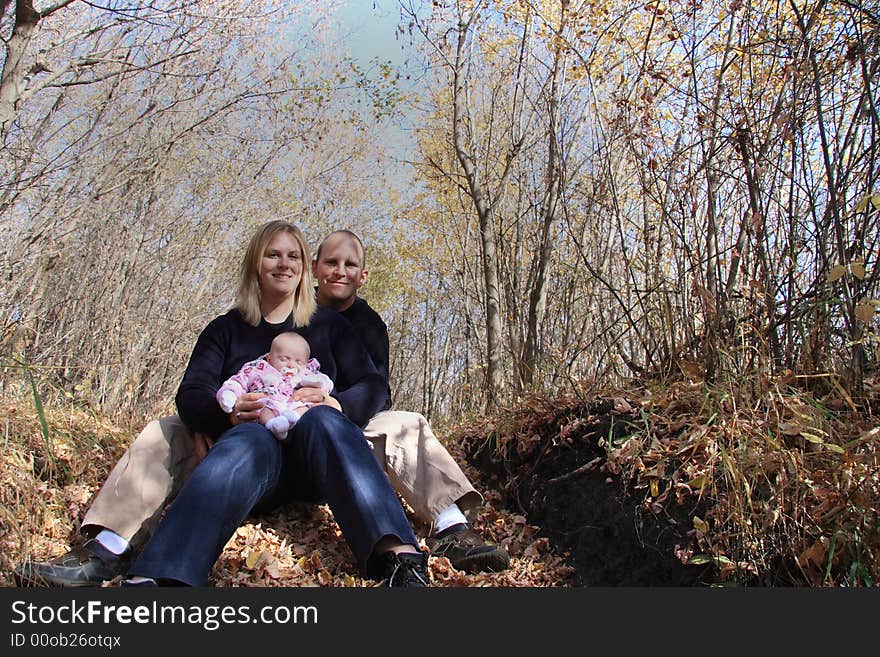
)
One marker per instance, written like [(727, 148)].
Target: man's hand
[(201, 445), (247, 408)]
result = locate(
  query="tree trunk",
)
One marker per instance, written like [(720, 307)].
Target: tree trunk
[(494, 372), (538, 293), (12, 80)]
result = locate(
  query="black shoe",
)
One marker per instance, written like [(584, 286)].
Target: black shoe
[(467, 550), (403, 569), (88, 565)]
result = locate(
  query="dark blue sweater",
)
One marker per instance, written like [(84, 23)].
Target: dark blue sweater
[(373, 332), (228, 342)]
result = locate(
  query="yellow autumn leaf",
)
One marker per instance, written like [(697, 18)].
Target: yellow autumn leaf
[(655, 488), (862, 204), (252, 558), (875, 201), (836, 272), (701, 525), (698, 482), (858, 269), (864, 311)]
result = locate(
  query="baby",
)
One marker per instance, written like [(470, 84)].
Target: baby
[(284, 369)]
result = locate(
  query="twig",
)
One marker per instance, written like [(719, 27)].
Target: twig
[(586, 467)]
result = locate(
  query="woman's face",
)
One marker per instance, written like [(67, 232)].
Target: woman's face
[(280, 267)]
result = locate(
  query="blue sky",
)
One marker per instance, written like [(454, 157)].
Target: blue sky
[(370, 27), (373, 24)]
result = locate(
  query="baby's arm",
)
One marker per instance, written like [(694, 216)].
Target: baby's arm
[(233, 388), (316, 380)]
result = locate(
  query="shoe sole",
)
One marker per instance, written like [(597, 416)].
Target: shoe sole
[(36, 581)]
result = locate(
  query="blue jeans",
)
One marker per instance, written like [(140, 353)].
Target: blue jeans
[(325, 458)]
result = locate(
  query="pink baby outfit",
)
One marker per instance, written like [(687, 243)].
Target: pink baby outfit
[(260, 376)]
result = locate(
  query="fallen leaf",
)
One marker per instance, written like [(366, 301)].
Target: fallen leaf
[(814, 554), (698, 482), (790, 428), (273, 569)]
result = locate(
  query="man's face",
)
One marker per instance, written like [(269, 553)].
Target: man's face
[(339, 272)]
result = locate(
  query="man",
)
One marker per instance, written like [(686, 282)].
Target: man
[(417, 464), (128, 507)]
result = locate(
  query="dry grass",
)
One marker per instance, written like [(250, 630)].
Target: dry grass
[(48, 477), (299, 545), (788, 478)]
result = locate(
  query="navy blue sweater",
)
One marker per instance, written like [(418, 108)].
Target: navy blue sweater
[(373, 332), (228, 342)]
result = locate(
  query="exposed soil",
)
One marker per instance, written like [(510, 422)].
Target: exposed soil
[(554, 472)]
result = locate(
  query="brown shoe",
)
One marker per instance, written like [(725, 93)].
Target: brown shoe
[(467, 550)]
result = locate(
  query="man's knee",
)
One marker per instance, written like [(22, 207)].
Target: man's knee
[(151, 434), (399, 425), (408, 417)]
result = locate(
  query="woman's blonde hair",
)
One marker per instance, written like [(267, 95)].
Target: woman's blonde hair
[(248, 297)]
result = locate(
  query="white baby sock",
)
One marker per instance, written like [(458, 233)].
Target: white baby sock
[(278, 425)]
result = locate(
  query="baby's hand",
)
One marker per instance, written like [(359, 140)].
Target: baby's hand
[(227, 400)]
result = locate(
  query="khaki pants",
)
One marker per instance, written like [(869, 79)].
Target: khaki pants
[(155, 467)]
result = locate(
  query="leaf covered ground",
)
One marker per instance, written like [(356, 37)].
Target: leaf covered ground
[(43, 501), (684, 485)]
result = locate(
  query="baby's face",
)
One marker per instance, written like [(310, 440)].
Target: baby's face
[(288, 352)]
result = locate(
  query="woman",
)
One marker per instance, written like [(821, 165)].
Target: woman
[(323, 458)]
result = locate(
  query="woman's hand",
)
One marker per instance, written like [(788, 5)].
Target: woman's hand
[(247, 408), (314, 396)]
